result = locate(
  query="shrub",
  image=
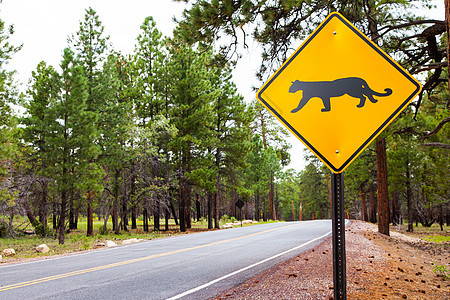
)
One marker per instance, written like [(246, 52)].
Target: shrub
[(3, 229), (40, 230), (102, 230), (441, 270), (225, 218)]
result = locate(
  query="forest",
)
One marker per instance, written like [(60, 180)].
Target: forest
[(162, 133)]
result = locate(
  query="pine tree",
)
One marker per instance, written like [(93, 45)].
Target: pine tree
[(43, 93), (90, 46), (232, 131), (91, 49), (314, 190), (275, 136), (148, 62), (359, 180), (73, 138), (150, 103), (263, 165), (8, 93), (7, 86), (191, 114), (116, 120)]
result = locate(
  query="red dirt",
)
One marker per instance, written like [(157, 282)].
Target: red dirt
[(378, 267)]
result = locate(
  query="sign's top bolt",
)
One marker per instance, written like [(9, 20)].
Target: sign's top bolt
[(334, 32), (337, 151)]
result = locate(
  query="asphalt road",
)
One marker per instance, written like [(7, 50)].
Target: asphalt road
[(194, 266)]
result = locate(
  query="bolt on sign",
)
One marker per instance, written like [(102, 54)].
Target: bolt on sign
[(338, 92)]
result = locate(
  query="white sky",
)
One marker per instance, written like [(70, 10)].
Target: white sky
[(42, 26)]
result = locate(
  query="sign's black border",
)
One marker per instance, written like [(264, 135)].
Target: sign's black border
[(379, 129)]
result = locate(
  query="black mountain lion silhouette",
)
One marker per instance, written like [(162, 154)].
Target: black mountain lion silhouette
[(352, 86)]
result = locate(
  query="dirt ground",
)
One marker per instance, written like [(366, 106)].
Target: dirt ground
[(378, 267)]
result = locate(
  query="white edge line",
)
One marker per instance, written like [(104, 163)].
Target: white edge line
[(244, 269)]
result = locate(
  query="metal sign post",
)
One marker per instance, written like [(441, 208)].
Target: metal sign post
[(338, 236)]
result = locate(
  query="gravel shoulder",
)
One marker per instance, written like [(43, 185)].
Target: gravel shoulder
[(378, 267)]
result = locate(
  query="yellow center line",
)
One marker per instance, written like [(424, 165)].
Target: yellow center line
[(108, 266)]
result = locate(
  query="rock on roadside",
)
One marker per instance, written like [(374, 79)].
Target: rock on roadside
[(131, 241), (110, 244), (8, 252), (42, 248), (99, 245)]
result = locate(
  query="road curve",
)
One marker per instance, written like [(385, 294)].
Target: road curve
[(194, 266)]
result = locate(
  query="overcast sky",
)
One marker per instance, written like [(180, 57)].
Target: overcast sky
[(42, 26)]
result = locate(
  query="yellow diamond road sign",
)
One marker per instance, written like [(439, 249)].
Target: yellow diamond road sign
[(337, 92)]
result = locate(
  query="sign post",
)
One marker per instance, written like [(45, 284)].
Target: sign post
[(336, 93), (338, 236)]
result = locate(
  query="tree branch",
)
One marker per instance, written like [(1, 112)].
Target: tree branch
[(389, 28), (439, 145), (436, 130), (432, 66)]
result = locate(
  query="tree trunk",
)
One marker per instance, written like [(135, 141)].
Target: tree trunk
[(273, 214), (29, 212), (216, 203), (43, 209), (76, 214), (174, 214), (90, 216), (116, 204), (116, 216), (156, 216), (133, 218), (364, 208), (409, 196), (112, 217), (198, 208), (132, 194), (187, 206), (55, 214), (71, 214), (124, 214), (216, 210), (257, 209), (373, 205), (145, 219), (300, 217), (382, 191), (182, 209), (210, 211), (395, 208), (62, 218), (271, 205), (167, 216), (105, 222)]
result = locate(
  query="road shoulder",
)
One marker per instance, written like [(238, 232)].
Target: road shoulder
[(378, 267)]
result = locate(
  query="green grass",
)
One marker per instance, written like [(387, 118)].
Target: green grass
[(438, 239), (432, 234)]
